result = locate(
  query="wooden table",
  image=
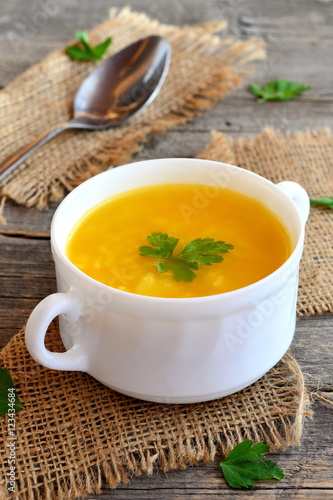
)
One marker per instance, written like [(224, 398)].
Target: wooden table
[(299, 40)]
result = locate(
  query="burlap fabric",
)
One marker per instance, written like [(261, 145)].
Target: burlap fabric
[(306, 158), (76, 435), (204, 67)]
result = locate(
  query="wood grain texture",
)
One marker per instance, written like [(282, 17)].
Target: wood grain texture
[(299, 41)]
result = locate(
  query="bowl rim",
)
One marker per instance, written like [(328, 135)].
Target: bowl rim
[(57, 251)]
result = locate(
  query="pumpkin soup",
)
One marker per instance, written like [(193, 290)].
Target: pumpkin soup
[(105, 243)]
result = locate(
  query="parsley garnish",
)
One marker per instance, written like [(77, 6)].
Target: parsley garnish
[(278, 90), (202, 251), (246, 463), (7, 389), (326, 201), (87, 52)]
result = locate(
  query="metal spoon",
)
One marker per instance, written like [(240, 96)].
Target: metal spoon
[(119, 88)]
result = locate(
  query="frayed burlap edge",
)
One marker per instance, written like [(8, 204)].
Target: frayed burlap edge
[(159, 437), (307, 158), (228, 65)]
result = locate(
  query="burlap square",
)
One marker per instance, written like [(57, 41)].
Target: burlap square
[(306, 158), (204, 67), (76, 435)]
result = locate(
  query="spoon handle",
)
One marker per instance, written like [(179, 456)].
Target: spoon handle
[(23, 153)]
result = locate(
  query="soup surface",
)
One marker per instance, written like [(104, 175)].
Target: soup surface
[(105, 242)]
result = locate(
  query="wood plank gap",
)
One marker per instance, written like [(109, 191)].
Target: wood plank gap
[(22, 234)]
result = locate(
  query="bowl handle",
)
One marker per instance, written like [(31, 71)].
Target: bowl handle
[(298, 195), (38, 323)]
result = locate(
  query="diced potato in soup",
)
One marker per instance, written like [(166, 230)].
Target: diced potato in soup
[(104, 244)]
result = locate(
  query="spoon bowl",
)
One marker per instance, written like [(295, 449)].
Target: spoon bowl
[(119, 88), (123, 85)]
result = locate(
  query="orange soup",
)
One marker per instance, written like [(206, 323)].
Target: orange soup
[(105, 242)]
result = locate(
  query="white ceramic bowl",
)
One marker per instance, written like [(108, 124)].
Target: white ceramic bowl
[(168, 349)]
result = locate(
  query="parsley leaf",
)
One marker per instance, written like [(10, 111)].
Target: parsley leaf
[(163, 245), (181, 270), (203, 250), (182, 266), (246, 463), (101, 48), (278, 90), (87, 53), (6, 389), (326, 201)]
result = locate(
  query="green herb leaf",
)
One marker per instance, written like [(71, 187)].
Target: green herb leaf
[(256, 90), (181, 269), (326, 201), (78, 54), (7, 389), (102, 47), (246, 463), (163, 245), (87, 53), (202, 251), (278, 90), (82, 36)]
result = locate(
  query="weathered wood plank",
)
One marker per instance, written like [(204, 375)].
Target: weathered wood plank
[(23, 222), (25, 258), (175, 493), (27, 273), (27, 36), (313, 347), (239, 115), (299, 44), (180, 494), (14, 312), (307, 468)]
